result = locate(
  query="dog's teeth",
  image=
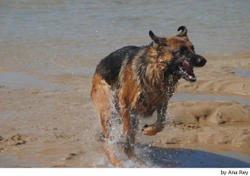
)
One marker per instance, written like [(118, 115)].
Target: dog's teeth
[(181, 69)]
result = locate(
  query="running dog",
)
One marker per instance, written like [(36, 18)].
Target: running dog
[(141, 80)]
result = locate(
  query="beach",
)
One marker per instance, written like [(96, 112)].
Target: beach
[(56, 125), (47, 118)]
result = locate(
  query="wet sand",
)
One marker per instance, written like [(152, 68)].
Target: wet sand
[(48, 120)]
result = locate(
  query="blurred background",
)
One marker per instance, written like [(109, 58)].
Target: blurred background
[(38, 33)]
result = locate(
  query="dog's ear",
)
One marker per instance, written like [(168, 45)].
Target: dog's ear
[(156, 39), (183, 31)]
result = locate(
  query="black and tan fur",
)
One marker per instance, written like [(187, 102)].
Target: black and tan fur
[(143, 80)]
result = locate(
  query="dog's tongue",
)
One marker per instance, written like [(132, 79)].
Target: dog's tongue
[(186, 65), (187, 72)]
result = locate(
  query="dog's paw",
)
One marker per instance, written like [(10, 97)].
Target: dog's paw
[(144, 128), (148, 130), (152, 130)]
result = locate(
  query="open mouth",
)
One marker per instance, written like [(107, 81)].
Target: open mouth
[(185, 70)]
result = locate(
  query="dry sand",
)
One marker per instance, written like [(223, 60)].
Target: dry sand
[(57, 126)]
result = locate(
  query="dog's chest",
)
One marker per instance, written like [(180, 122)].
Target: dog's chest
[(147, 103)]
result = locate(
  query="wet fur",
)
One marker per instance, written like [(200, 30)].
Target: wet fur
[(142, 80)]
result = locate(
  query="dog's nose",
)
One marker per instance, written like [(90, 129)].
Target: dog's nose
[(198, 61), (201, 61)]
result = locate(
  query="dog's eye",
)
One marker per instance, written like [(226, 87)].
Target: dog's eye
[(180, 50), (183, 49)]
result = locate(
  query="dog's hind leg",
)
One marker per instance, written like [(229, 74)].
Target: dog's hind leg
[(130, 126), (158, 126), (129, 129), (100, 95)]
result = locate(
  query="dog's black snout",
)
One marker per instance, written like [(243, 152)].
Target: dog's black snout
[(198, 61), (201, 61)]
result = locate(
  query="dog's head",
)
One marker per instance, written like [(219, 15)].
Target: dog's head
[(178, 54)]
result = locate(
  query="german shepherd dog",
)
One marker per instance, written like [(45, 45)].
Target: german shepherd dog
[(141, 80)]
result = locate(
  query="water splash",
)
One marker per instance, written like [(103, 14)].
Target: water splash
[(143, 149), (170, 86), (115, 123), (117, 138)]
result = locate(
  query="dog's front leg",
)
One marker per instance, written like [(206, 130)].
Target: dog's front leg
[(158, 126)]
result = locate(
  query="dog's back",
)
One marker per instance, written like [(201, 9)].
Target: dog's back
[(110, 67)]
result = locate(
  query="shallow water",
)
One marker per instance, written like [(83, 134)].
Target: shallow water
[(19, 80), (242, 72), (11, 162), (88, 72), (207, 97), (157, 158), (50, 34), (183, 158)]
